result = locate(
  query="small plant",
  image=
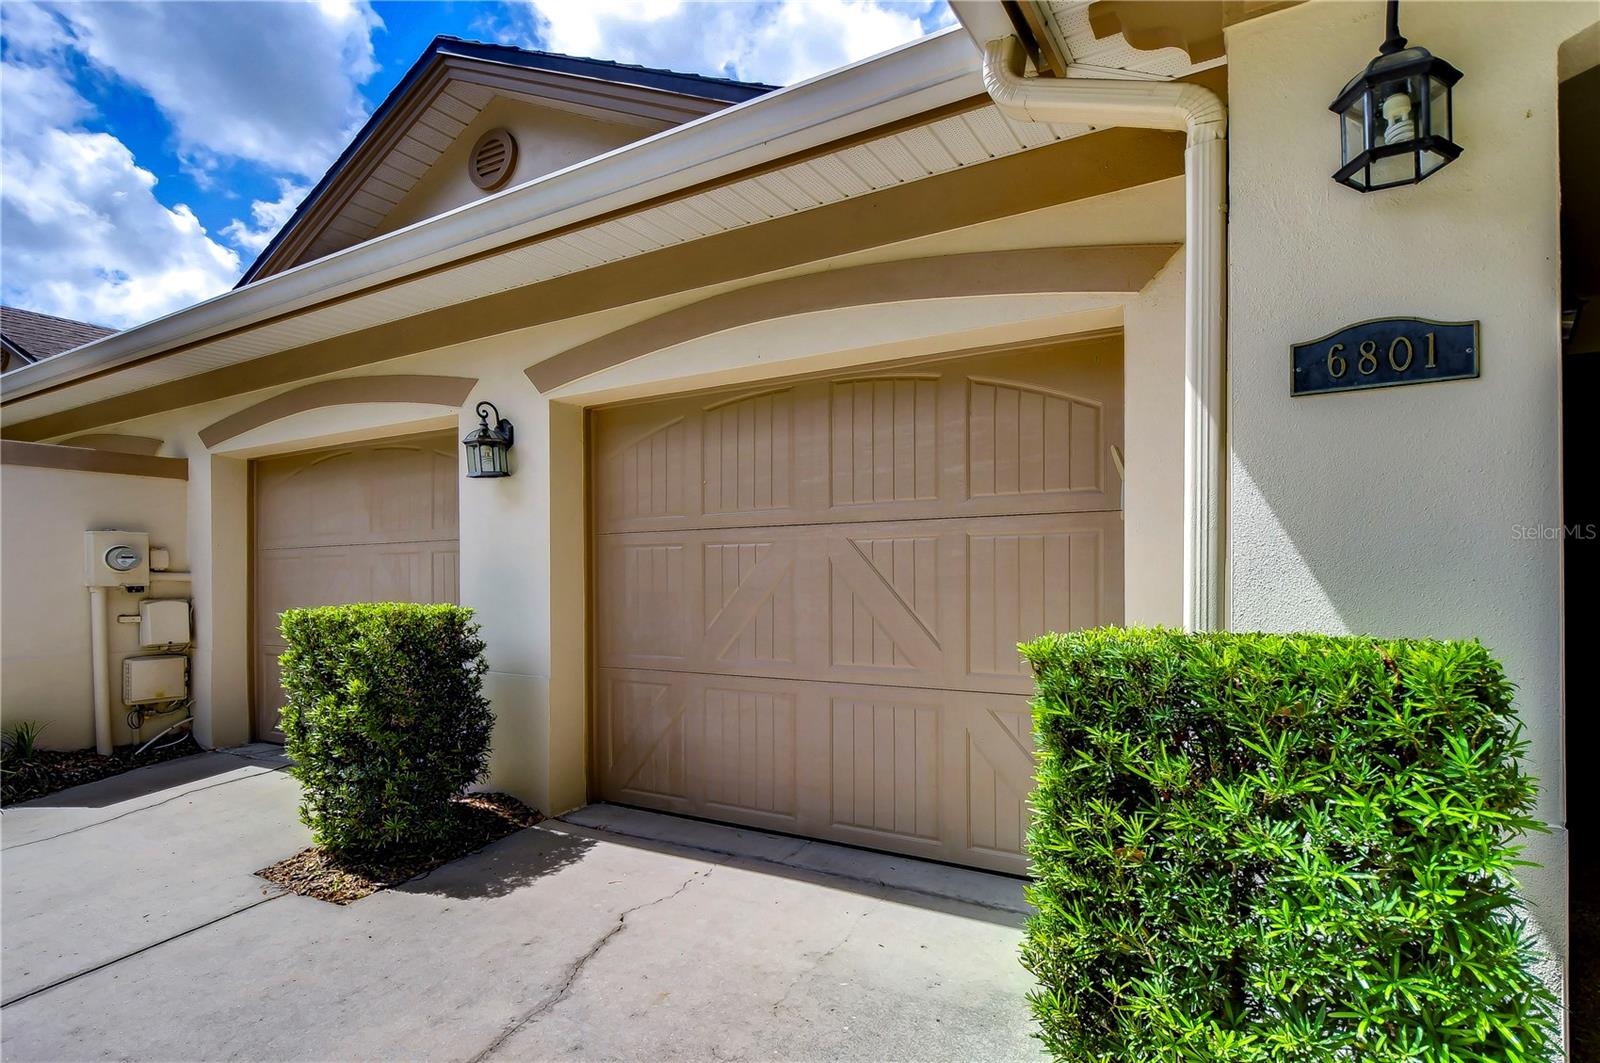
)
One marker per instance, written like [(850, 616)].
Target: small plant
[(386, 720), (1279, 848), (20, 741)]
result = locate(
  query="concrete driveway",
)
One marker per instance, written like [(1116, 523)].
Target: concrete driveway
[(133, 928)]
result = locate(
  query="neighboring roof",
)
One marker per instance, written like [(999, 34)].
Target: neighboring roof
[(31, 336), (443, 49)]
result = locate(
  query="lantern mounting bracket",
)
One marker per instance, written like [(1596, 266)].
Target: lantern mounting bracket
[(488, 445), (1392, 41), (501, 425)]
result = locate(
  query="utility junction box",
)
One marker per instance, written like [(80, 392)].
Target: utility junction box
[(159, 677), (164, 622)]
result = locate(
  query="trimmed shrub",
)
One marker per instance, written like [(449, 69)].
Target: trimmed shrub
[(386, 720), (1263, 847)]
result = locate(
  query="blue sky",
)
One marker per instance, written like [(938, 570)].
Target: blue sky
[(149, 150)]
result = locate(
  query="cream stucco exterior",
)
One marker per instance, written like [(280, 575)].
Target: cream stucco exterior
[(1408, 511), (1404, 511), (523, 539), (44, 604)]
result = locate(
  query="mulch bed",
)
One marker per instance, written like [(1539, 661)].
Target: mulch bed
[(48, 770), (480, 819)]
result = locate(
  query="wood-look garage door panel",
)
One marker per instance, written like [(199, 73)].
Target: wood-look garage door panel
[(643, 737), (745, 758), (1014, 432), (390, 492), (808, 596), (993, 769), (701, 601), (937, 603), (934, 773), (729, 462), (1027, 575), (723, 746), (887, 768), (366, 523)]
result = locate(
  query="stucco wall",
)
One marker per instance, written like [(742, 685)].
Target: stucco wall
[(45, 673), (523, 539), (1403, 511)]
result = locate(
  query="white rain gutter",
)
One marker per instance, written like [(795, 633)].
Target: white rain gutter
[(1202, 116)]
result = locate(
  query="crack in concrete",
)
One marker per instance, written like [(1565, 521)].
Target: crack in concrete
[(575, 969), (145, 808), (20, 997), (816, 964)]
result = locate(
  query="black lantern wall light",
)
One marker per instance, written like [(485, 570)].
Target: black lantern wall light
[(488, 447), (1396, 117)]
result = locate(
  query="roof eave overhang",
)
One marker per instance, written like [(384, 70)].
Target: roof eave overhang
[(16, 350), (925, 74)]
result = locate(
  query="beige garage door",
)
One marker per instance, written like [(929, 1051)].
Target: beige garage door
[(809, 594), (368, 523)]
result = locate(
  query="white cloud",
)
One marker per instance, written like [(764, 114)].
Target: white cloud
[(84, 235), (266, 217), (275, 87), (780, 43), (269, 83)]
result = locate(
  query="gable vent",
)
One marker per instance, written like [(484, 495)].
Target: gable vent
[(492, 159)]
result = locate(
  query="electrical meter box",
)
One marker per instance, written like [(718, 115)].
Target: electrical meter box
[(161, 677), (164, 622), (116, 559)]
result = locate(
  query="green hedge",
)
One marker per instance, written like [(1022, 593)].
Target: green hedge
[(386, 720), (1261, 847)]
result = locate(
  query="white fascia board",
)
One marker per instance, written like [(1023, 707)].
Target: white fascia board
[(983, 20), (930, 72)]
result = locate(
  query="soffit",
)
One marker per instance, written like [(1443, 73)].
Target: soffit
[(1144, 38), (1141, 39), (938, 146), (1088, 55)]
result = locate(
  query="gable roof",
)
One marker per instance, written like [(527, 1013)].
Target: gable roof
[(728, 90), (30, 336), (662, 98)]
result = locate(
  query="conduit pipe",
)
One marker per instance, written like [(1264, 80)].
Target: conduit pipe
[(1198, 112), (100, 658)]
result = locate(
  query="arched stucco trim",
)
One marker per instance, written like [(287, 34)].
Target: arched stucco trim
[(343, 391), (83, 459), (115, 442), (1120, 268)]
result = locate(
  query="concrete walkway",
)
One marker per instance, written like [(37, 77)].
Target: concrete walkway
[(133, 928)]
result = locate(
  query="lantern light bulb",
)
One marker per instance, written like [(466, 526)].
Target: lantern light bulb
[(1397, 113)]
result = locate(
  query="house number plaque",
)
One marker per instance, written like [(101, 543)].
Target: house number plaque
[(1385, 353)]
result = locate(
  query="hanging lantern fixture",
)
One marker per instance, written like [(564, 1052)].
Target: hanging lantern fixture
[(1396, 117)]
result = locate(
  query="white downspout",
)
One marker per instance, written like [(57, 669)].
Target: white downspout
[(100, 663), (1198, 112)]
